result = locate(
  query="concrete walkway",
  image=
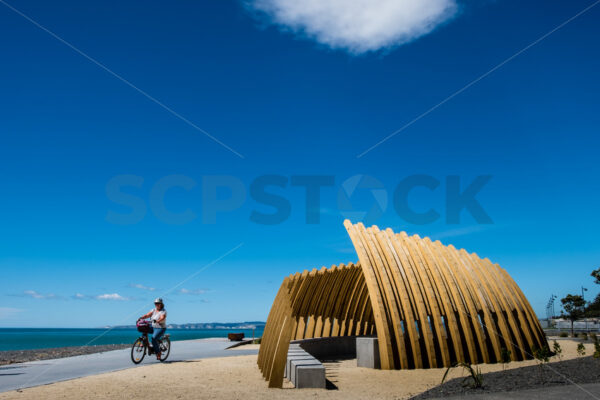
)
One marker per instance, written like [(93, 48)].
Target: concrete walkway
[(35, 373), (588, 391)]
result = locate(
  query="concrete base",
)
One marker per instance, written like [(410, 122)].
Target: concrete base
[(310, 376), (367, 352), (304, 370), (309, 373), (295, 357)]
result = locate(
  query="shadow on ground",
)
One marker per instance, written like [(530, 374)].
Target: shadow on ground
[(332, 370), (181, 362)]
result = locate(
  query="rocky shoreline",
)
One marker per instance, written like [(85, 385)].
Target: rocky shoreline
[(19, 356)]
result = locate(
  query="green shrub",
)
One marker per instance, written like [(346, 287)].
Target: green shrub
[(476, 376), (557, 350), (543, 357), (505, 357), (583, 336), (593, 337), (564, 334), (596, 347), (581, 349)]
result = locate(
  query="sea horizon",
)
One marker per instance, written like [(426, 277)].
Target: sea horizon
[(16, 339), (216, 325)]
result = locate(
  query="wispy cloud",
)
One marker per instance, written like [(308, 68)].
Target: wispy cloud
[(111, 296), (142, 287), (357, 26), (192, 291), (460, 231), (37, 295), (105, 296), (7, 312)]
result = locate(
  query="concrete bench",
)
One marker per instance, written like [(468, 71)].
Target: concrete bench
[(303, 370), (367, 352)]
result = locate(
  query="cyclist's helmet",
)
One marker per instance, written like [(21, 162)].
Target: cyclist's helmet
[(159, 300)]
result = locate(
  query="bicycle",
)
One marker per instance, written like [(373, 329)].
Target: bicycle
[(142, 345)]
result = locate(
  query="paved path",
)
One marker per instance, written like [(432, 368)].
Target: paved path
[(35, 373), (588, 391)]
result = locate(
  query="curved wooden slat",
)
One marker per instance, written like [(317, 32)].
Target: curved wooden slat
[(381, 321)]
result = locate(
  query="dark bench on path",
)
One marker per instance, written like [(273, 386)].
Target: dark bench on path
[(235, 336)]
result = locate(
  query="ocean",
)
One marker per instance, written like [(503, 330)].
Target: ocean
[(40, 338)]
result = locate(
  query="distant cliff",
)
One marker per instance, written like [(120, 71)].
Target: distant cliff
[(209, 325), (220, 325)]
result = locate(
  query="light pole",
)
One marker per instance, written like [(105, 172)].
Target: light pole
[(553, 298), (550, 310), (583, 298)]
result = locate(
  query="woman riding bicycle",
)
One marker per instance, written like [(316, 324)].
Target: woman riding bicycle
[(158, 315)]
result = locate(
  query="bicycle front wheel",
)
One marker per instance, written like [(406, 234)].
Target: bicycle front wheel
[(138, 351), (165, 348)]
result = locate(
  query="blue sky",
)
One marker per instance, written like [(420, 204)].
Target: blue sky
[(291, 89)]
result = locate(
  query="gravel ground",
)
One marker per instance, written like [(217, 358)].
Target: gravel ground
[(18, 356), (579, 370)]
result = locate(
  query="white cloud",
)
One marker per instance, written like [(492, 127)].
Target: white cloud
[(36, 295), (33, 293), (106, 296), (142, 287), (110, 296), (192, 291), (357, 26)]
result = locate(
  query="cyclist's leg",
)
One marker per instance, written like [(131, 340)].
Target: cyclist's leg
[(150, 341), (158, 333)]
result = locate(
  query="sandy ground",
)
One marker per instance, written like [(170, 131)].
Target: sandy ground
[(239, 378)]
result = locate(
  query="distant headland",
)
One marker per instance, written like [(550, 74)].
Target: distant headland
[(206, 325)]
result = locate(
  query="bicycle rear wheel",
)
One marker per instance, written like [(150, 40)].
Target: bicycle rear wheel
[(138, 351), (165, 348)]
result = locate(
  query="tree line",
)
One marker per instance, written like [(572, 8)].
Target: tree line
[(575, 307)]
